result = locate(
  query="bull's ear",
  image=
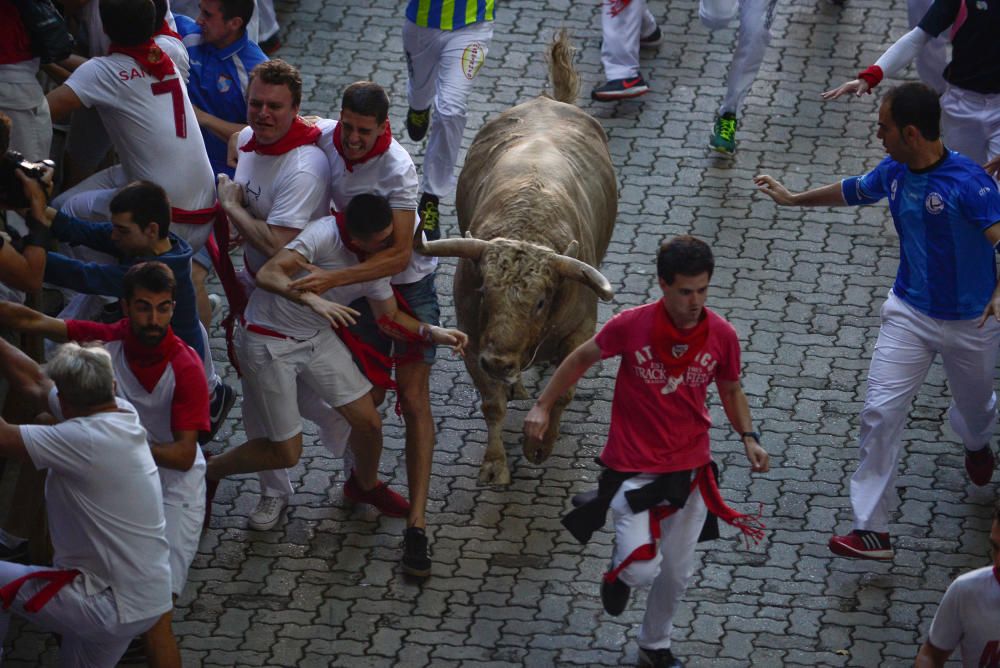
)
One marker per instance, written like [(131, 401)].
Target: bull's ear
[(573, 250)]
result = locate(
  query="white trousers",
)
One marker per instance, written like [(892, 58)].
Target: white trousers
[(970, 123), (932, 58), (751, 43), (620, 33), (31, 126), (669, 572), (92, 636), (908, 342), (442, 66)]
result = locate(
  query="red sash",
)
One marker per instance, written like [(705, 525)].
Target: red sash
[(151, 58), (704, 482), (57, 580), (299, 134), (218, 250), (382, 145)]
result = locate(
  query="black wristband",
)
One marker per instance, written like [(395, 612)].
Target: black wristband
[(38, 234), (755, 435)]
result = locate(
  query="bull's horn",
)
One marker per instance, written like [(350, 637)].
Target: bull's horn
[(471, 249), (573, 249), (581, 271)]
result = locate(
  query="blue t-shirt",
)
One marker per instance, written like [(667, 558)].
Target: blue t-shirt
[(946, 265), (218, 82)]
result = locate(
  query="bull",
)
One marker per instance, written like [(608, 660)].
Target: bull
[(536, 203)]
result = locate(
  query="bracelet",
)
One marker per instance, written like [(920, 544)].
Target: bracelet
[(754, 434), (425, 332), (871, 76)]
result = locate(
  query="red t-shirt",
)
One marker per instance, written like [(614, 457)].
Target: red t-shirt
[(660, 424), (187, 395), (15, 46)]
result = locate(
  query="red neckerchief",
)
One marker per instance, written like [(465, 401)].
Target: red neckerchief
[(165, 30), (674, 349), (151, 58), (381, 146), (148, 363), (300, 134)]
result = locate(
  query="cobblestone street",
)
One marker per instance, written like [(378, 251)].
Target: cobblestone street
[(510, 586)]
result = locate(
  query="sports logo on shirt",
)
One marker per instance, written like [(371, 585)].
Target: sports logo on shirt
[(678, 350), (934, 204), (892, 189), (224, 83), (472, 59)]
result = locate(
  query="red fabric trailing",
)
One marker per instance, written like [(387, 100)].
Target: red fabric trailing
[(150, 57), (674, 349), (165, 29), (57, 580), (704, 481), (382, 145), (299, 134), (195, 216), (235, 294), (616, 7), (872, 76)]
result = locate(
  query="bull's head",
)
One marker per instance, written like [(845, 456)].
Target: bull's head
[(520, 281)]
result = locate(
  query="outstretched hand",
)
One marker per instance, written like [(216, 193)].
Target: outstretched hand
[(317, 280), (774, 189), (760, 461), (457, 340), (536, 423), (336, 314), (856, 86)]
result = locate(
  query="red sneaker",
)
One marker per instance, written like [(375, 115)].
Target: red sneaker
[(387, 501), (979, 465), (863, 545)]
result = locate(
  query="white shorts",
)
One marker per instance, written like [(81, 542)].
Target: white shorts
[(183, 534), (272, 368)]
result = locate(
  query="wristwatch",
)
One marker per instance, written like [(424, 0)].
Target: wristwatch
[(754, 434)]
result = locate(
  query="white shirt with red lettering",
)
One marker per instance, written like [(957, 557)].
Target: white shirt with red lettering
[(286, 190), (391, 175), (659, 422), (104, 506), (178, 401), (969, 617), (152, 126), (320, 245)]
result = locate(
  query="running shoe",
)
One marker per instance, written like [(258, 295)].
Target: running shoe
[(417, 123), (620, 89), (723, 137), (863, 545)]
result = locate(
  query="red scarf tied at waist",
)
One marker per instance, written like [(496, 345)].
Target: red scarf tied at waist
[(150, 57), (382, 145), (57, 580), (299, 134), (674, 349)]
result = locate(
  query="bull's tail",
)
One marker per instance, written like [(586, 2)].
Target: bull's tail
[(565, 80)]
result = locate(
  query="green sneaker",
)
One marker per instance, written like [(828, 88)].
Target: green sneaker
[(417, 123), (430, 216), (723, 137)]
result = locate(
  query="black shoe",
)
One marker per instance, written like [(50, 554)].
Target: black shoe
[(583, 498), (222, 402), (652, 40), (415, 559), (135, 653), (430, 216), (614, 596), (270, 45), (620, 89), (417, 123), (658, 658)]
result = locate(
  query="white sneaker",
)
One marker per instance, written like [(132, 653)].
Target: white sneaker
[(267, 513)]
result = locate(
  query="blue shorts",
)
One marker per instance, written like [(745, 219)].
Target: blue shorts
[(422, 299)]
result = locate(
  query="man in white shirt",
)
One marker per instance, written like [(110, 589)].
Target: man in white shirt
[(110, 578), (969, 616)]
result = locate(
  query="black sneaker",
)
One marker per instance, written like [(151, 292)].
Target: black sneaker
[(417, 123), (222, 402), (614, 596), (415, 559), (658, 658), (620, 89), (653, 40), (430, 216)]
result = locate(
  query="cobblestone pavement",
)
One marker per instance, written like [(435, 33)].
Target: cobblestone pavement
[(803, 288)]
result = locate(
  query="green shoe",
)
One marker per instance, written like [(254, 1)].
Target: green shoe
[(430, 216), (723, 137), (417, 123)]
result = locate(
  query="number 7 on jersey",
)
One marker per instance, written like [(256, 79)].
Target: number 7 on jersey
[(173, 86)]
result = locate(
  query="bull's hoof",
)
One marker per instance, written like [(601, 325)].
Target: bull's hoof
[(517, 391), (536, 452), (494, 473)]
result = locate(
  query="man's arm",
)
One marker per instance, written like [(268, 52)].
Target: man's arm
[(62, 102), (389, 262), (89, 278), (180, 454), (413, 329), (219, 127), (26, 379), (268, 239), (275, 276), (572, 368), (20, 318), (829, 195), (930, 656), (993, 307), (734, 402)]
